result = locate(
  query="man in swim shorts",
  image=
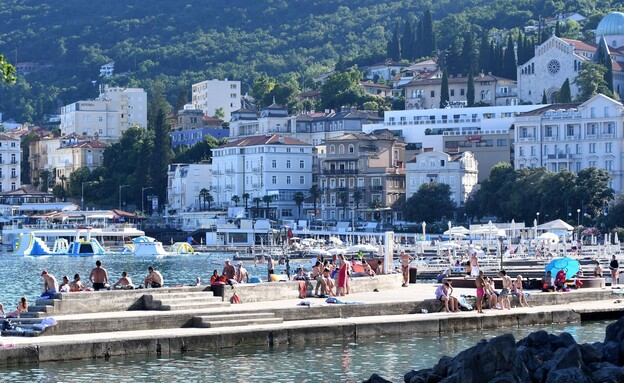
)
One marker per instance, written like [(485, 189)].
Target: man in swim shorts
[(504, 294), (480, 292), (98, 276), (474, 263), (405, 260), (154, 279), (50, 285)]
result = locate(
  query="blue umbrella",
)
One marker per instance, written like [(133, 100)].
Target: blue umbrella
[(569, 265)]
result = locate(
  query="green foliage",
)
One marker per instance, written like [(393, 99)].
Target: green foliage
[(444, 91), (342, 89), (7, 71), (591, 81), (470, 90), (565, 94), (432, 202)]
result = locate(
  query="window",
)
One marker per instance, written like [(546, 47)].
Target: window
[(521, 151), (288, 180), (341, 149), (592, 164), (332, 149), (592, 147), (376, 182), (301, 164), (287, 164), (274, 164), (301, 180), (452, 92), (451, 180), (360, 182), (274, 180), (432, 93), (351, 148), (462, 92), (609, 147), (533, 150), (609, 165)]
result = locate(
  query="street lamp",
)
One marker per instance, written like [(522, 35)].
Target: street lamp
[(143, 189), (82, 205), (578, 223), (121, 187), (538, 217)]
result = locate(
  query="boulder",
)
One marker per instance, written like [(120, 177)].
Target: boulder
[(376, 379), (591, 353), (568, 375), (607, 372)]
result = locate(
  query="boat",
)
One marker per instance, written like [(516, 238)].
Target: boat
[(31, 245)]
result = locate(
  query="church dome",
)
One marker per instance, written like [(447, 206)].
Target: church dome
[(612, 24)]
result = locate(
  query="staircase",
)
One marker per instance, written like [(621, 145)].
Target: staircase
[(182, 301), (235, 320)]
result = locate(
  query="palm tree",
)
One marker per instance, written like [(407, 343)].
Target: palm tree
[(236, 200), (246, 197), (257, 201), (202, 196), (209, 198), (299, 197), (343, 196), (267, 199), (315, 193), (357, 197)]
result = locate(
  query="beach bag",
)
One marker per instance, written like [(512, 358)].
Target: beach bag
[(464, 303), (303, 291)]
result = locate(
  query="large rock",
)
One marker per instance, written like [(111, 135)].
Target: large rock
[(376, 379)]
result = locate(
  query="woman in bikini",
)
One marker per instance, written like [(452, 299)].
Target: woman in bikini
[(518, 291)]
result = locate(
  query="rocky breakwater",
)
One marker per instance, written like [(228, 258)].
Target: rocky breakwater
[(540, 357)]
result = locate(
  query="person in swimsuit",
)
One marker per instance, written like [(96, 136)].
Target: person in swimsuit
[(405, 260), (474, 263), (270, 267), (614, 267), (480, 283), (124, 283), (597, 270), (76, 285), (98, 276), (443, 293), (518, 291), (50, 285), (154, 278), (504, 294)]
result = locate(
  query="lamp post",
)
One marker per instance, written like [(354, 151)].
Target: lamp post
[(143, 189), (121, 187), (82, 205), (538, 217), (578, 224)]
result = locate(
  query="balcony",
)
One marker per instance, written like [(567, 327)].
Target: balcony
[(395, 170), (550, 138), (607, 135), (526, 139), (255, 170), (377, 188), (340, 171)]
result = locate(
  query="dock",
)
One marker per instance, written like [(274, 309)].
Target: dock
[(179, 319)]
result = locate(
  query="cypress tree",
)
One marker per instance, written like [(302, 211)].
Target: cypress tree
[(544, 99), (565, 94), (484, 54), (470, 91), (418, 39), (557, 29), (469, 56), (603, 57), (428, 38), (509, 63), (407, 41), (394, 45), (444, 91)]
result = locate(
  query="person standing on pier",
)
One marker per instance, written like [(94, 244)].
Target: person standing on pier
[(405, 260), (480, 283), (614, 266), (270, 266), (98, 276), (505, 291)]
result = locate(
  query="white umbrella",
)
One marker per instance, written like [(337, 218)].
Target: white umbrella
[(548, 237), (457, 231), (336, 241)]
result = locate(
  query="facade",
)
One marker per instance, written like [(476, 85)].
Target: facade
[(379, 90), (424, 93), (573, 137), (211, 95), (385, 70), (108, 116), (273, 119), (459, 171), (316, 128), (191, 126), (10, 163), (72, 154), (107, 69), (185, 182), (271, 165), (362, 177)]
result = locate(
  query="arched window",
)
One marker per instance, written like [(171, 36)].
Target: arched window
[(351, 148), (332, 149), (341, 149)]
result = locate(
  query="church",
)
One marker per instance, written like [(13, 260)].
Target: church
[(558, 59)]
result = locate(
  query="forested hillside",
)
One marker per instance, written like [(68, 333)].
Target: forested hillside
[(179, 43)]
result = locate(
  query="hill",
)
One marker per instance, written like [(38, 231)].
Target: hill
[(179, 43)]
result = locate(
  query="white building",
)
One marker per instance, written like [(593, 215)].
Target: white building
[(573, 137), (558, 59), (10, 163), (261, 166), (108, 116), (107, 69), (211, 95), (185, 181), (458, 171)]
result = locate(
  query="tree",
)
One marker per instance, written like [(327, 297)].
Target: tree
[(407, 40), (544, 99), (210, 199), (432, 202), (591, 81), (342, 89), (565, 94), (219, 113), (343, 197), (444, 91), (267, 199), (299, 197), (46, 178), (357, 197), (315, 193), (469, 53), (7, 71), (470, 90), (428, 37), (236, 200), (603, 57), (246, 197), (509, 63), (393, 49), (203, 196), (261, 87), (257, 201)]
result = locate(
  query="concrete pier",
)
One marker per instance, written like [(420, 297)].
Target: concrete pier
[(387, 312)]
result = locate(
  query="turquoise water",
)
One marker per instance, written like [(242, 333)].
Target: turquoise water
[(21, 276), (349, 362)]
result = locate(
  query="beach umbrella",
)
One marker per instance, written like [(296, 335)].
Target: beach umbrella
[(569, 265)]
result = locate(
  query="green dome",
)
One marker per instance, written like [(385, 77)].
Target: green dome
[(612, 24)]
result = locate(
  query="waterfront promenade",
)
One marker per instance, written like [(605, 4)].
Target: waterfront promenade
[(388, 312)]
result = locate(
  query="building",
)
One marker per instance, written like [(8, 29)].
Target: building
[(212, 95), (259, 166), (10, 163), (424, 93), (362, 177), (191, 126), (573, 137), (107, 117), (107, 69), (317, 127), (558, 59), (385, 70), (184, 186), (73, 154), (459, 171), (484, 131), (272, 119), (379, 90)]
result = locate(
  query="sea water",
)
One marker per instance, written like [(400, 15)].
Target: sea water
[(328, 361)]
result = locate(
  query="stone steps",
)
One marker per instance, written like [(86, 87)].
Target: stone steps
[(235, 320), (182, 301)]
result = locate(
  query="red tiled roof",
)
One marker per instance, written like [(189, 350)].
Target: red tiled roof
[(581, 45), (4, 137)]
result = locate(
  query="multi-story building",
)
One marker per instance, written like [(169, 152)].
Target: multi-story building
[(273, 119), (362, 177), (184, 186), (259, 166), (459, 171), (108, 116), (10, 163), (212, 95), (489, 90), (192, 126), (316, 128), (573, 137)]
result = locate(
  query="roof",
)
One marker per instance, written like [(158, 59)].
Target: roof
[(581, 45), (543, 110), (48, 206), (455, 80), (373, 85), (4, 137), (88, 145), (611, 24), (263, 140)]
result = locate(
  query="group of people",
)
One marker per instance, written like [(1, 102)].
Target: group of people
[(231, 275), (486, 292), (98, 277)]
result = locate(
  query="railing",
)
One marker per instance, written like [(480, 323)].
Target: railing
[(395, 170), (340, 171), (550, 138), (607, 135), (377, 188), (526, 139)]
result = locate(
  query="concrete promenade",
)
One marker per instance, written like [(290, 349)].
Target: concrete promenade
[(388, 312)]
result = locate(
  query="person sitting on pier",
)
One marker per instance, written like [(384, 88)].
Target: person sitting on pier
[(560, 281), (217, 279), (241, 275), (50, 285), (124, 283), (367, 269), (98, 276), (317, 274), (76, 284), (64, 287), (490, 294), (517, 289), (154, 279), (547, 282), (597, 270), (228, 271), (505, 291), (22, 306), (327, 283), (443, 293)]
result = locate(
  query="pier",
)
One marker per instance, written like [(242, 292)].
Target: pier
[(175, 320)]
